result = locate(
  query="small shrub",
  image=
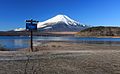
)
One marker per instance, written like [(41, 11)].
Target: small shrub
[(53, 45), (2, 48)]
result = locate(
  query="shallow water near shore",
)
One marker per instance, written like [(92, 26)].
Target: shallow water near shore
[(18, 42)]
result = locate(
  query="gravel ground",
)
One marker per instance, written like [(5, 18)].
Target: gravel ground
[(76, 62), (87, 61)]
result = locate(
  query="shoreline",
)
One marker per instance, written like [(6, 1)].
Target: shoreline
[(62, 45), (60, 35), (73, 34), (109, 37), (99, 36)]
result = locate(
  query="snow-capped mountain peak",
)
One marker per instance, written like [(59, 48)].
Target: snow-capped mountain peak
[(59, 18), (59, 23)]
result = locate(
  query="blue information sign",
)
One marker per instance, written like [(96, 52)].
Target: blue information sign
[(30, 26)]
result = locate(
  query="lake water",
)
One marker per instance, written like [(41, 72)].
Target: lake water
[(17, 42)]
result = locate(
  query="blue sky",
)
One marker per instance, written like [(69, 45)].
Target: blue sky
[(13, 13)]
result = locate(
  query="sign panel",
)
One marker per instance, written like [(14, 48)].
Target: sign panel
[(30, 26)]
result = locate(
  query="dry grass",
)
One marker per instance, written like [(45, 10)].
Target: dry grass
[(71, 46)]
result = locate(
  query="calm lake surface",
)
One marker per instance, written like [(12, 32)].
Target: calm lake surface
[(17, 42)]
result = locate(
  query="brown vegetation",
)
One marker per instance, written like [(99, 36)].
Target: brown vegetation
[(100, 31)]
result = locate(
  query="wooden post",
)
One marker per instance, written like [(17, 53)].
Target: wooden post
[(31, 37), (31, 42)]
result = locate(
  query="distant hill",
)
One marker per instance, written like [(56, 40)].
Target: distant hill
[(100, 31)]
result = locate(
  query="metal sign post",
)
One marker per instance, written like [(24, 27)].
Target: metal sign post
[(31, 25)]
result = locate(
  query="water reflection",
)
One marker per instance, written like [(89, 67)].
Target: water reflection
[(21, 42), (17, 42), (14, 44)]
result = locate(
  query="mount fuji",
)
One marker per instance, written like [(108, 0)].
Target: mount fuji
[(61, 23)]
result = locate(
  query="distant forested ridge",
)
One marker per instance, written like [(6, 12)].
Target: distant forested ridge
[(100, 31)]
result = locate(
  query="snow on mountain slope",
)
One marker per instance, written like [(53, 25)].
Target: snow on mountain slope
[(19, 29), (61, 23), (57, 19)]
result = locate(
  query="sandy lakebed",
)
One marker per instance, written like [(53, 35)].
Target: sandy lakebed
[(62, 58)]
